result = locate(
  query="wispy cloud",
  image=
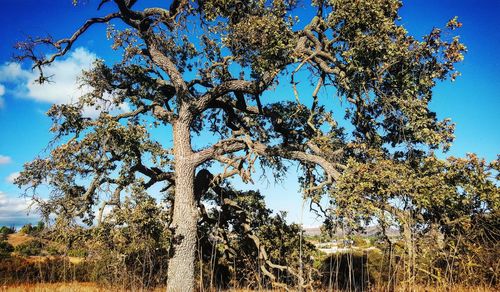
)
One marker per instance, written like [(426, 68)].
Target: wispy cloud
[(11, 72), (5, 159), (14, 211), (2, 92), (63, 86), (11, 177)]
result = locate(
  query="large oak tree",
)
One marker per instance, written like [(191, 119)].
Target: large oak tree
[(250, 78)]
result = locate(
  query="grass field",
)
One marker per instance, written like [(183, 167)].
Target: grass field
[(92, 287), (16, 239), (76, 287)]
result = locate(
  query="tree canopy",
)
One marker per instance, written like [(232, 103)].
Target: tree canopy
[(233, 73)]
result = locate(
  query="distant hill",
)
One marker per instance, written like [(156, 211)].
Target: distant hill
[(312, 231), (369, 231)]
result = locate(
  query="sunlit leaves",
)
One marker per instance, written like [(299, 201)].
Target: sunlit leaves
[(441, 191)]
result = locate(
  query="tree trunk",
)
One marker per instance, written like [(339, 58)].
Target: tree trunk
[(410, 264), (181, 275)]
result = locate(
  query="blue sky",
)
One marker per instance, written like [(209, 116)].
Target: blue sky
[(472, 101)]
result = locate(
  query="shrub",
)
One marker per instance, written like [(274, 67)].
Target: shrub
[(26, 229), (360, 241), (33, 230), (353, 270), (7, 230), (15, 270), (30, 248), (79, 252), (5, 249), (53, 250)]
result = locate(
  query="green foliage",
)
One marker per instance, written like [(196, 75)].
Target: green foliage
[(5, 249), (133, 240), (81, 253), (263, 41), (245, 236), (449, 216), (5, 231), (131, 246), (30, 248), (19, 270), (29, 229), (26, 229), (356, 270), (384, 75), (53, 250), (359, 241)]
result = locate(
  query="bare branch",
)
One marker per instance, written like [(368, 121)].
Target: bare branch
[(64, 45)]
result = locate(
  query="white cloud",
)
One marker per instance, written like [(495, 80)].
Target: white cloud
[(11, 72), (124, 107), (63, 86), (5, 159), (12, 177), (2, 92), (13, 211), (12, 204)]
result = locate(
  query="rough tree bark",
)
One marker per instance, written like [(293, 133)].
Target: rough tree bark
[(185, 214)]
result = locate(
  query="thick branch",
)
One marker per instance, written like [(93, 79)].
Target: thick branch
[(302, 156), (230, 145), (155, 174), (255, 87), (162, 61)]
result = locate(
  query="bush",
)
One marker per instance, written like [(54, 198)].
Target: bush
[(80, 253), (15, 270), (360, 241), (32, 230), (5, 231), (26, 229), (354, 270), (5, 249), (53, 250), (30, 248)]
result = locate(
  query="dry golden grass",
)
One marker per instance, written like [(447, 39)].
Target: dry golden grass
[(37, 259), (455, 288), (66, 287), (75, 260), (41, 259), (16, 239), (92, 287)]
